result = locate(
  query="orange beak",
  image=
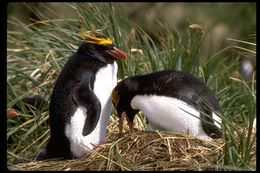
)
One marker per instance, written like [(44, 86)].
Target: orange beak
[(121, 121), (117, 53)]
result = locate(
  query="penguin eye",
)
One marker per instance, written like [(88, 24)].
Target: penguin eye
[(103, 48)]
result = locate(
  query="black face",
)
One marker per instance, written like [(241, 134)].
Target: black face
[(97, 51), (124, 106), (101, 48), (121, 98)]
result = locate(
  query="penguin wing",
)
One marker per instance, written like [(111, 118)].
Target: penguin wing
[(209, 114), (210, 120), (209, 117), (83, 95)]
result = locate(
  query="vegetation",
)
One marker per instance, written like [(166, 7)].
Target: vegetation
[(36, 52)]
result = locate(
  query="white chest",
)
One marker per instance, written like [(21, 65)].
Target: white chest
[(170, 114), (105, 81)]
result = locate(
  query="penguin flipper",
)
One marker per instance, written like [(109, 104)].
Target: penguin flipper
[(83, 95), (42, 155), (207, 122), (206, 114)]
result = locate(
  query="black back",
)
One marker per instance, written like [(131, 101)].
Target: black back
[(175, 84), (87, 60)]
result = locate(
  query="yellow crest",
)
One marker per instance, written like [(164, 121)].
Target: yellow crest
[(91, 38)]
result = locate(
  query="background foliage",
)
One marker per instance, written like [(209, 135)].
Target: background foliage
[(204, 39)]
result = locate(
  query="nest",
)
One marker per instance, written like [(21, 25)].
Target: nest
[(142, 151)]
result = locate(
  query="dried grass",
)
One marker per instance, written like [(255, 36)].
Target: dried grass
[(142, 151)]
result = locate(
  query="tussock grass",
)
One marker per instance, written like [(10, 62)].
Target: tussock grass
[(36, 53), (142, 151)]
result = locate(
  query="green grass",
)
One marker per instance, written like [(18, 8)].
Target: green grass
[(37, 52)]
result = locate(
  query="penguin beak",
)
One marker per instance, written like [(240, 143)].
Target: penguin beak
[(130, 124), (121, 121), (117, 53)]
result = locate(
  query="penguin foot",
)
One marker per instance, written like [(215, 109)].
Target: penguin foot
[(43, 155), (96, 145), (135, 129), (120, 134), (22, 160)]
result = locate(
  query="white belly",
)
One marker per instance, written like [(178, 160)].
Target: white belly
[(106, 79), (169, 114)]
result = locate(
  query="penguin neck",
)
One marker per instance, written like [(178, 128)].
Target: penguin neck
[(131, 88)]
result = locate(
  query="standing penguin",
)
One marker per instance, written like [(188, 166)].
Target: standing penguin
[(80, 103), (171, 101)]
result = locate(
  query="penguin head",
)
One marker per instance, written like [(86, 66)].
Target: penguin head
[(121, 96), (100, 47)]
